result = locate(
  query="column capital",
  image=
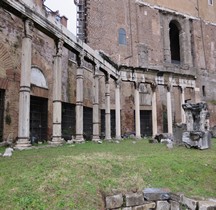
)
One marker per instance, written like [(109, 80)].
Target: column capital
[(169, 87), (118, 82), (107, 78), (137, 85), (80, 59), (59, 47), (28, 28), (96, 69), (182, 88), (154, 86)]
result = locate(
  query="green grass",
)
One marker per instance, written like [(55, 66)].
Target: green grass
[(76, 177)]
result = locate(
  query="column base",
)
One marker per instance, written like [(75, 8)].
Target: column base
[(57, 141), (22, 144), (118, 137), (108, 139), (79, 139), (96, 140), (138, 137)]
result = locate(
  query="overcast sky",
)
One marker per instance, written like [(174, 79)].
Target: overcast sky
[(66, 8)]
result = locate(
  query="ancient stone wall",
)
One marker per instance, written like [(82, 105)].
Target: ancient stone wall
[(10, 57), (157, 199), (43, 50)]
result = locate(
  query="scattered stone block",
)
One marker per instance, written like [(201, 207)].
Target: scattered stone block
[(174, 205), (127, 208), (8, 152), (147, 206), (154, 194), (134, 199), (207, 205), (176, 197), (190, 203), (114, 201), (163, 205)]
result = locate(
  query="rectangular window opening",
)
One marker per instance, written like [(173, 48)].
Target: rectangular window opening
[(210, 2), (203, 91)]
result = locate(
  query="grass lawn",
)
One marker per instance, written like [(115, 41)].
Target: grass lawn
[(76, 177)]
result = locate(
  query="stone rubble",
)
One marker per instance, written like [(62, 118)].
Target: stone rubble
[(197, 134), (8, 152), (156, 199)]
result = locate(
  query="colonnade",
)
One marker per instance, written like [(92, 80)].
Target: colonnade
[(24, 98), (154, 108)]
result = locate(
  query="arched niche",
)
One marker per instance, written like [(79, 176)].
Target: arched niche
[(38, 78)]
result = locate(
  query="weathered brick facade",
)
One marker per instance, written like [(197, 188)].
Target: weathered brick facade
[(146, 23), (62, 87)]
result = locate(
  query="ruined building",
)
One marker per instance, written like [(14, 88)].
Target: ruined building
[(172, 43), (131, 70)]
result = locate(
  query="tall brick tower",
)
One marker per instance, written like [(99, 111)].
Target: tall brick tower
[(81, 19)]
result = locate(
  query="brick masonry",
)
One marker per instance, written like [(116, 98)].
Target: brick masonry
[(146, 28)]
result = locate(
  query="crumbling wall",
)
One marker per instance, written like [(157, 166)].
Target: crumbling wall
[(156, 199)]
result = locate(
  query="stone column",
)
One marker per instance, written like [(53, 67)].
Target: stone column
[(154, 110), (118, 109), (79, 100), (183, 119), (169, 109), (96, 120), (137, 110), (57, 98), (186, 55), (107, 110), (166, 41), (24, 93)]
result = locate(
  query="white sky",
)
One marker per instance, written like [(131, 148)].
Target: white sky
[(66, 8)]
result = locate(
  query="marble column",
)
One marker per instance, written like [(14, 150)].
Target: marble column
[(183, 119), (186, 45), (96, 120), (107, 109), (24, 93), (166, 41), (57, 98), (154, 110), (118, 109), (137, 110), (79, 100), (169, 110)]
